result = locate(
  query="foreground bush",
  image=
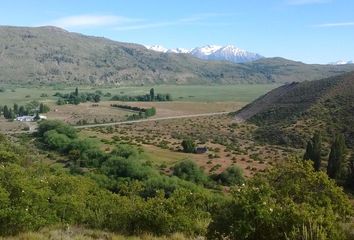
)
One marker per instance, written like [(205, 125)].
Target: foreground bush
[(279, 203)]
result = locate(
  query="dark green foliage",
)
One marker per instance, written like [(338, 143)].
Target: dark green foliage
[(144, 98), (274, 205), (188, 146), (232, 175), (336, 157), (152, 94), (58, 126), (309, 151), (43, 108), (36, 117), (313, 151), (56, 141), (76, 97), (190, 171), (143, 112)]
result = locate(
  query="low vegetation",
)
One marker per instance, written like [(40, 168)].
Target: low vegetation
[(119, 191)]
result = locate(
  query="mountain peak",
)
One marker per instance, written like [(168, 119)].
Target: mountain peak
[(213, 52)]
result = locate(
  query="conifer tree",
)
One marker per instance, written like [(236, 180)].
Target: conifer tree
[(313, 151), (316, 151), (152, 94), (336, 157)]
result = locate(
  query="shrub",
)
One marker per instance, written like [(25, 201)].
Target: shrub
[(189, 171)]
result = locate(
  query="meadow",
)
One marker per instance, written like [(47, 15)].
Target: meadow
[(191, 93)]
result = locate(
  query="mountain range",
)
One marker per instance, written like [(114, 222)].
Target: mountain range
[(50, 55), (213, 52)]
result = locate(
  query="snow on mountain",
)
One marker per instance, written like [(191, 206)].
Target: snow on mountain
[(178, 50), (157, 48), (213, 52), (204, 52), (342, 62)]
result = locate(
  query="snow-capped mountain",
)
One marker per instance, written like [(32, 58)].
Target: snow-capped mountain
[(213, 52), (157, 48), (342, 62)]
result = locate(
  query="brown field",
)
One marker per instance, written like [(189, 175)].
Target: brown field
[(228, 143)]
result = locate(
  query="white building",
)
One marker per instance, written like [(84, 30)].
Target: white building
[(30, 118), (25, 118)]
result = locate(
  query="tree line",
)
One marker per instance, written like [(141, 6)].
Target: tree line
[(77, 98), (142, 112), (150, 97), (30, 108)]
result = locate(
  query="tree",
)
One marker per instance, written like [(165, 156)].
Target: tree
[(309, 150), (190, 171), (152, 94), (316, 151), (43, 108), (16, 108), (188, 146), (336, 157), (96, 98), (76, 91), (233, 175), (6, 111), (22, 111), (313, 151), (36, 118)]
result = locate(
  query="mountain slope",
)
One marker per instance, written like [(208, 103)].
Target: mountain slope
[(47, 55), (291, 113)]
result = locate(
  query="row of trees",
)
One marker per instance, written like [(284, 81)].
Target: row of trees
[(142, 112), (77, 98), (337, 166), (19, 110), (150, 97)]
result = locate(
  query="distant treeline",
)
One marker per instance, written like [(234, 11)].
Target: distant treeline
[(151, 97), (76, 97), (30, 108), (143, 112)]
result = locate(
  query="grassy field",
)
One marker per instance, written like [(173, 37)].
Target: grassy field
[(196, 93)]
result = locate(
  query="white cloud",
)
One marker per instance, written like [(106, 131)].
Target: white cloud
[(121, 23), (339, 24), (84, 21), (306, 2)]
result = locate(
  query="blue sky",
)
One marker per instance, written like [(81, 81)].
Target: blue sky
[(312, 31)]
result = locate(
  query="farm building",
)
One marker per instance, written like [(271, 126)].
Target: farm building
[(29, 118)]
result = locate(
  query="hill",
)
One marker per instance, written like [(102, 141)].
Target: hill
[(292, 112), (45, 55)]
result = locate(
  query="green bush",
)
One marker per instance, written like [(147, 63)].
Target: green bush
[(233, 175), (190, 171), (274, 205)]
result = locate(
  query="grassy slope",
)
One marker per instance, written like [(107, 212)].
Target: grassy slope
[(293, 113), (52, 55)]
